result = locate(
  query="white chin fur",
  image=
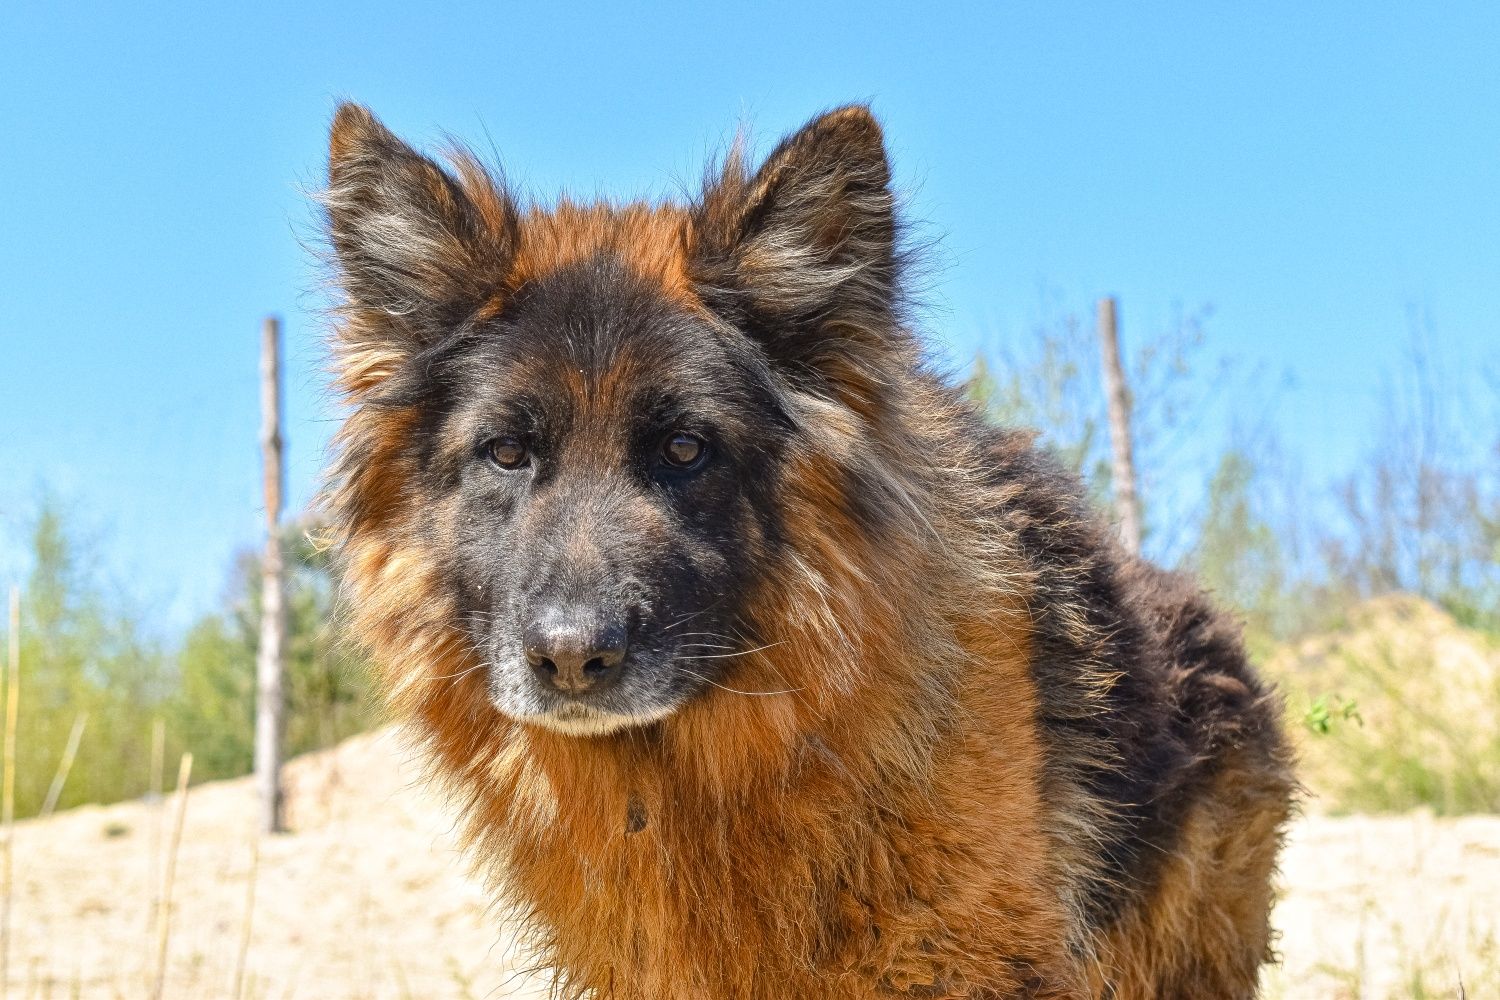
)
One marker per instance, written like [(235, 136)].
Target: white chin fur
[(580, 720)]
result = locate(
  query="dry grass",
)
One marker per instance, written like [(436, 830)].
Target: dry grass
[(164, 916), (64, 766), (1397, 710)]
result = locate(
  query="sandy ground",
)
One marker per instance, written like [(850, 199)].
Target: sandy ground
[(366, 899), (1390, 906), (369, 899)]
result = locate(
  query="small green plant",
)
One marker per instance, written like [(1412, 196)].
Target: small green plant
[(1327, 710)]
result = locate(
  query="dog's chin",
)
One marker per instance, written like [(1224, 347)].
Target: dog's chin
[(577, 719)]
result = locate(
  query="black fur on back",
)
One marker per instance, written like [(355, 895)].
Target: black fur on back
[(1144, 686)]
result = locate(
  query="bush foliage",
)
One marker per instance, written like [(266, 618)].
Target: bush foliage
[(83, 650)]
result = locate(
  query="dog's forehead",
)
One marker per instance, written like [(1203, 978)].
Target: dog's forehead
[(599, 327), (600, 318), (597, 342), (652, 241)]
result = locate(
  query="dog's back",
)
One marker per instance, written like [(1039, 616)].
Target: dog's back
[(1166, 756)]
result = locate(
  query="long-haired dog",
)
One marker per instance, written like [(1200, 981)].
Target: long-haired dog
[(759, 664)]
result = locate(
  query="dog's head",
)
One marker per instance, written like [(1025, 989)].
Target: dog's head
[(579, 420)]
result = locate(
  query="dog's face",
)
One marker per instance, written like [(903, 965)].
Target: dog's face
[(598, 467), (603, 401)]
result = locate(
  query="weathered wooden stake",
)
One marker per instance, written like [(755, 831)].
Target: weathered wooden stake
[(1122, 468), (269, 659)]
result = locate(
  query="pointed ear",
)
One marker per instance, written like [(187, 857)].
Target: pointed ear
[(803, 254), (417, 248)]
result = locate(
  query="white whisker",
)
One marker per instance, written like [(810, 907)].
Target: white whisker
[(721, 656), (725, 687), (461, 673)]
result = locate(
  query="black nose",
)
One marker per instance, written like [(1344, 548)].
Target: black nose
[(574, 652)]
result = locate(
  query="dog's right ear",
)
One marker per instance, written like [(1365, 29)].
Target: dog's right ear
[(802, 254), (418, 249)]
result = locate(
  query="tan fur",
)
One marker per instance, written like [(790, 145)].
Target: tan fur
[(1214, 899), (654, 239)]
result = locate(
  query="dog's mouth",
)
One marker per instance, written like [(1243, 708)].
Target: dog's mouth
[(575, 718)]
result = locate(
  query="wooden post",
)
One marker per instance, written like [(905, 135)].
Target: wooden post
[(1122, 467), (270, 655)]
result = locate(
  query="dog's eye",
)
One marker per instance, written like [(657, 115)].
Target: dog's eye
[(507, 452), (682, 450)]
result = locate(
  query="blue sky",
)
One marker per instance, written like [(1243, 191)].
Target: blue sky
[(1315, 172)]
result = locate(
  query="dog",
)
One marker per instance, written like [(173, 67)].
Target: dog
[(757, 663)]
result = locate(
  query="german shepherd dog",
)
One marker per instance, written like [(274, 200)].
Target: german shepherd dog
[(759, 664)]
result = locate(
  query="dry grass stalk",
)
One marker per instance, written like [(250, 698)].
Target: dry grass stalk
[(8, 796), (164, 912), (64, 766), (153, 840), (239, 962)]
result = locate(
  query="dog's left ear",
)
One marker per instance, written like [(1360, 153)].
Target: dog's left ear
[(802, 255)]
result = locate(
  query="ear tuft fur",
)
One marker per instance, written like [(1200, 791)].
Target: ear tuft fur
[(803, 254), (418, 249)]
